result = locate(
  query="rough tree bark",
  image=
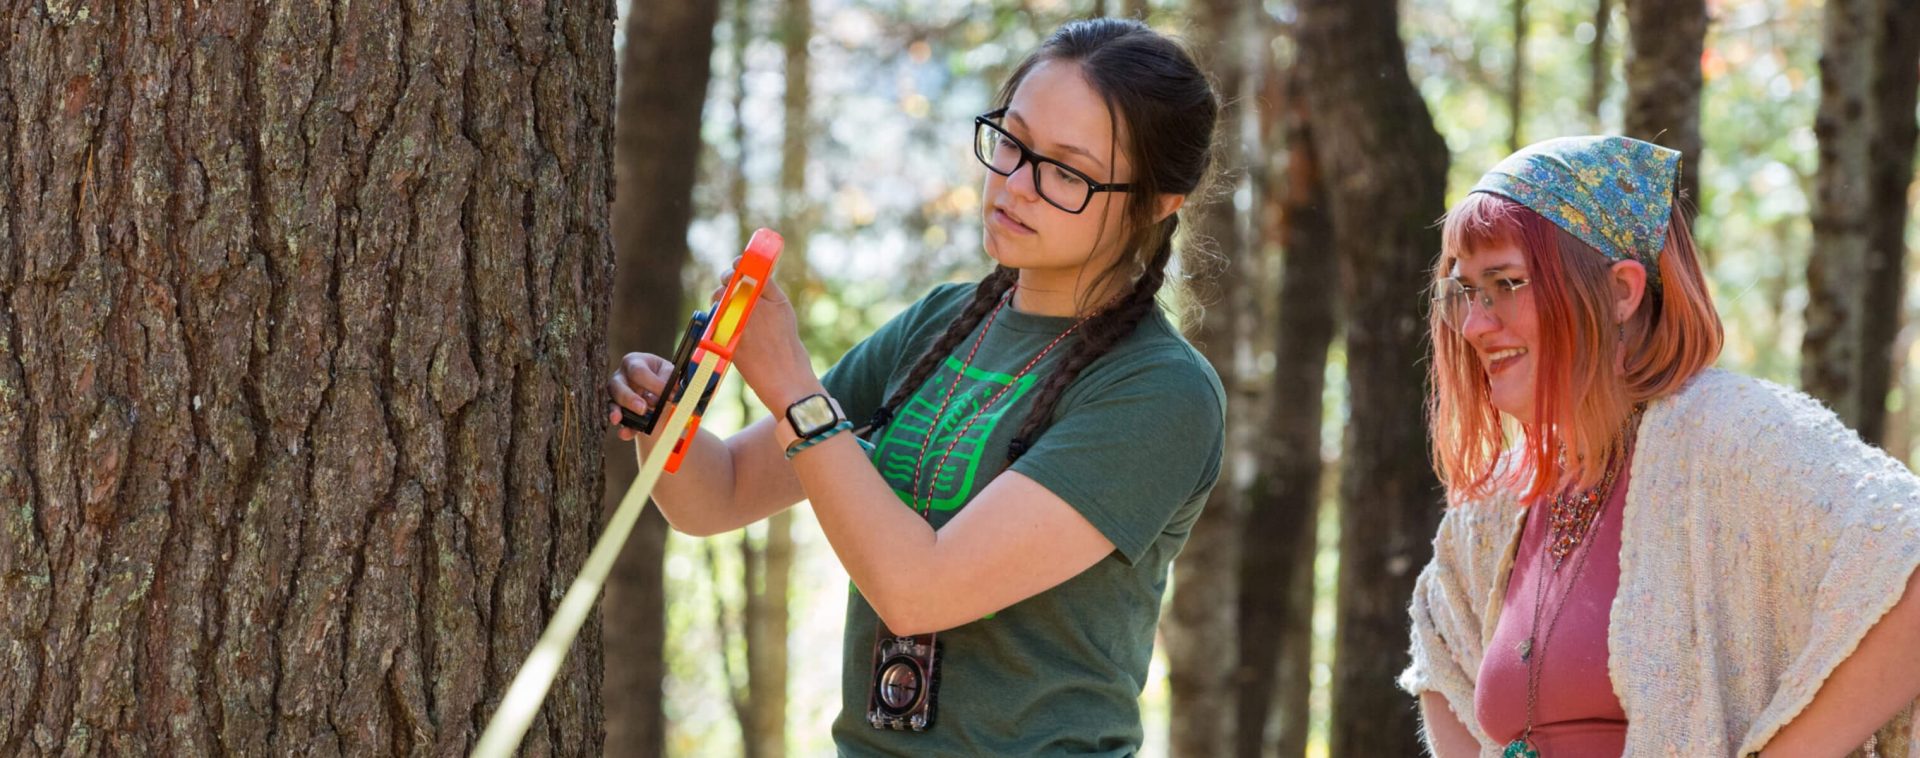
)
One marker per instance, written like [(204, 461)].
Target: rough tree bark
[(1865, 125), (1665, 39), (299, 371), (1373, 132), (1199, 624), (663, 81), (1283, 500)]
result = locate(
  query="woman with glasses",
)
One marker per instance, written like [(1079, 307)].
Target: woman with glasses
[(1641, 555), (1050, 435)]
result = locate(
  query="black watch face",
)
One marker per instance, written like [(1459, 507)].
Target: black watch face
[(812, 416)]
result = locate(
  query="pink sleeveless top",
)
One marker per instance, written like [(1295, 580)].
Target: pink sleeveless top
[(1575, 712)]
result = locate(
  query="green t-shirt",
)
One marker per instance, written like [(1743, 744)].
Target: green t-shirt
[(1135, 446)]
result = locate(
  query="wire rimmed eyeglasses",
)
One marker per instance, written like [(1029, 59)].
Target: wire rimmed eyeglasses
[(1454, 300)]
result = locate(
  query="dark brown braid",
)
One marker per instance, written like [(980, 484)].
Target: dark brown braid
[(1168, 108), (985, 297), (1096, 337)]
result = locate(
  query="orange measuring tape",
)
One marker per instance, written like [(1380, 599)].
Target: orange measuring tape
[(701, 359)]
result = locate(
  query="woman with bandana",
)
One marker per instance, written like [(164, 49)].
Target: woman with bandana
[(1641, 555)]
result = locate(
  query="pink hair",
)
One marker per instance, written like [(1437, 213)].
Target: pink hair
[(1583, 394)]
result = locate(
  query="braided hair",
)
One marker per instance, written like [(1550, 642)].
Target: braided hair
[(1169, 108)]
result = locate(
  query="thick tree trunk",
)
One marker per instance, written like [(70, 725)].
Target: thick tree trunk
[(1199, 626), (663, 81), (1857, 265), (1866, 129), (1373, 131), (1665, 39), (1276, 569), (1830, 352), (299, 371)]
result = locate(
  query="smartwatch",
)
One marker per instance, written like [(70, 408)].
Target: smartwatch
[(814, 416)]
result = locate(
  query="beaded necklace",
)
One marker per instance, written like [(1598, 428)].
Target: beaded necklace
[(934, 428), (1570, 521)]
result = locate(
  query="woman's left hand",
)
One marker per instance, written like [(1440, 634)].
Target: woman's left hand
[(770, 356)]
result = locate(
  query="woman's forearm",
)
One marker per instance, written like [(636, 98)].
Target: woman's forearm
[(723, 485), (874, 538), (1013, 540), (1864, 691), (1447, 737)]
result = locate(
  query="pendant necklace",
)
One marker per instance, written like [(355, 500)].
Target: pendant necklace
[(1571, 520), (934, 428)]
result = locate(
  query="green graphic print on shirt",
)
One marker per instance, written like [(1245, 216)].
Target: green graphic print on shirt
[(902, 446)]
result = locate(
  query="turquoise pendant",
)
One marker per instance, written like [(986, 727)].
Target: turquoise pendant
[(1520, 748)]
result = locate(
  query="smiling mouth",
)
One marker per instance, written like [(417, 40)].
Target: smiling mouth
[(1501, 360)]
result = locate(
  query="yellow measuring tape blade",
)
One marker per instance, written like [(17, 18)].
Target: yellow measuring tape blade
[(735, 310), (529, 687)]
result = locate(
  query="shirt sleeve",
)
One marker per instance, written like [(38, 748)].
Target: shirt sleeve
[(1127, 450), (1842, 541), (861, 379)]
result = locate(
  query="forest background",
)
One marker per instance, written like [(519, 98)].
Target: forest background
[(879, 183), (306, 312)]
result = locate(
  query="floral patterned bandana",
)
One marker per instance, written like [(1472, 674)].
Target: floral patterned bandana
[(1613, 193)]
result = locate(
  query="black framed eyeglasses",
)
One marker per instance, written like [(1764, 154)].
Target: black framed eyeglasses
[(1454, 300), (1061, 185)]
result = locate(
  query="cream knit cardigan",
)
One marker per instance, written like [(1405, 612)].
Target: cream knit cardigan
[(1760, 540)]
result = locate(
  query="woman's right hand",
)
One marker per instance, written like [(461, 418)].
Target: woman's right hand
[(636, 385)]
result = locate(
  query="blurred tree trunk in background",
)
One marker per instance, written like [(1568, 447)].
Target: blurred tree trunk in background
[(663, 84), (1831, 357), (768, 565), (1517, 77), (1599, 69), (740, 31), (1373, 132), (768, 560), (300, 367), (1855, 274), (1665, 40), (1283, 501), (1199, 625), (1895, 82)]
